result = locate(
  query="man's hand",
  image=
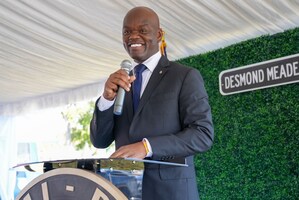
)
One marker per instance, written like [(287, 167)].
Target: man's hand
[(120, 78), (135, 150)]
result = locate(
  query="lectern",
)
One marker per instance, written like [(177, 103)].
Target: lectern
[(88, 179)]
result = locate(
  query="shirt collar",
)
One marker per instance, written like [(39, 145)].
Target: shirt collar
[(151, 62)]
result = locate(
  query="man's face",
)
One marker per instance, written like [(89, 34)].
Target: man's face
[(141, 35)]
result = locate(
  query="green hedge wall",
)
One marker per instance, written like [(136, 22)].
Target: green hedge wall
[(256, 148)]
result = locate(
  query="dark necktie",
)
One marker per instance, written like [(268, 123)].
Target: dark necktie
[(137, 85)]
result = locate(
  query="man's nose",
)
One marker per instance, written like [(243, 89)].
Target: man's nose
[(134, 34)]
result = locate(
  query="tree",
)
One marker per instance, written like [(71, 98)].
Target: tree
[(78, 117)]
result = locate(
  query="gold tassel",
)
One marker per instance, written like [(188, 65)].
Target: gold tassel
[(163, 45)]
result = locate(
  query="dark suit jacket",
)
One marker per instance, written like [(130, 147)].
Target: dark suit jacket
[(175, 116)]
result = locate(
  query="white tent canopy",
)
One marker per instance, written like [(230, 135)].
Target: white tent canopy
[(54, 52)]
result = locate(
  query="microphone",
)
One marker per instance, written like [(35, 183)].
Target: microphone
[(119, 101)]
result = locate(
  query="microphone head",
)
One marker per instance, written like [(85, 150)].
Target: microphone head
[(126, 65)]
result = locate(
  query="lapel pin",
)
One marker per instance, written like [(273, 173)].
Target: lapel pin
[(160, 72)]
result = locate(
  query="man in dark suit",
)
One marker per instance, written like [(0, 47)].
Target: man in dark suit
[(173, 119)]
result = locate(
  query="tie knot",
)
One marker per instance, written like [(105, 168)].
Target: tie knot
[(140, 68)]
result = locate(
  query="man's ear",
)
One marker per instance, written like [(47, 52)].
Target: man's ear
[(159, 34)]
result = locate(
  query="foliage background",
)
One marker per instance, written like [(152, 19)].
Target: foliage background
[(256, 148), (78, 118)]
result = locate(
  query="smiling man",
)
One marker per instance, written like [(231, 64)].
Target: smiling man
[(171, 119), (141, 34)]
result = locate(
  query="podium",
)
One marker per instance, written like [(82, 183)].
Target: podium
[(88, 179)]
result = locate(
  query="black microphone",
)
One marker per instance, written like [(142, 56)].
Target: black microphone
[(119, 101)]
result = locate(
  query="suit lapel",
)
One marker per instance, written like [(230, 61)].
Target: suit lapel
[(129, 105), (154, 81)]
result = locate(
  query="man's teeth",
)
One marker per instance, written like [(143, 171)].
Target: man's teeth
[(135, 45)]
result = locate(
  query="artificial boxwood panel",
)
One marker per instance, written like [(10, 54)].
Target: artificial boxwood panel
[(256, 149)]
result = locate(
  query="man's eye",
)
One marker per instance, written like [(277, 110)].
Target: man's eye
[(126, 32), (143, 31)]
